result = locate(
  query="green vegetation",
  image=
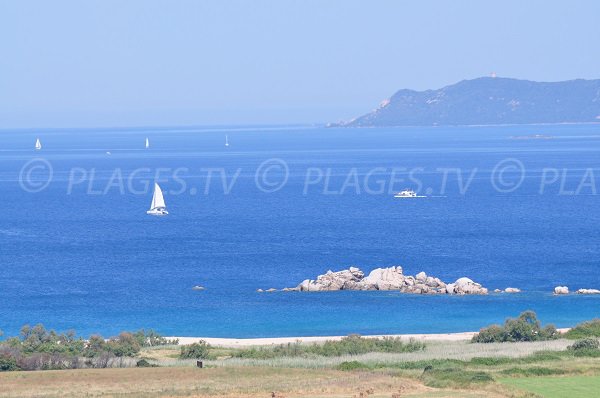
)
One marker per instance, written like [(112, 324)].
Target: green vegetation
[(585, 344), (142, 363), (8, 363), (350, 345), (199, 350), (558, 387), (453, 377), (585, 329), (37, 348), (352, 365), (533, 371), (524, 328)]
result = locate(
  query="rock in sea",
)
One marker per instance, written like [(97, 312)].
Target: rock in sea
[(391, 278), (588, 291), (512, 290), (561, 290)]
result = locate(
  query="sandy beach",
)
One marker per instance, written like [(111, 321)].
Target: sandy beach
[(233, 342)]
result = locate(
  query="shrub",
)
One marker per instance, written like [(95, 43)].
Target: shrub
[(352, 365), (38, 348), (429, 364), (585, 329), (585, 344), (8, 363), (142, 363), (491, 334), (442, 378), (124, 345), (540, 356), (491, 361), (150, 338), (95, 346), (524, 328), (39, 340), (535, 371), (199, 350)]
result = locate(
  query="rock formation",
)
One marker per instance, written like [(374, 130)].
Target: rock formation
[(588, 291), (561, 290), (391, 278)]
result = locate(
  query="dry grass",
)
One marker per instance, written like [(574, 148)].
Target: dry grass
[(223, 382), (461, 350)]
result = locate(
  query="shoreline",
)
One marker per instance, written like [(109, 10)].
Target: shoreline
[(262, 341)]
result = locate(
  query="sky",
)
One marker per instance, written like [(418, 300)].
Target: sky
[(102, 63)]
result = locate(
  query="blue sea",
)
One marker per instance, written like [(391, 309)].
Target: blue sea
[(507, 206)]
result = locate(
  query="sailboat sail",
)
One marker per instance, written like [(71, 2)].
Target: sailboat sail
[(158, 201), (226, 140), (147, 143), (38, 144)]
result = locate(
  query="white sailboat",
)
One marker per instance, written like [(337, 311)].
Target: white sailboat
[(147, 143), (38, 144), (226, 140), (158, 206)]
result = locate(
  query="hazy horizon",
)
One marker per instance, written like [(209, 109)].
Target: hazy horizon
[(97, 64)]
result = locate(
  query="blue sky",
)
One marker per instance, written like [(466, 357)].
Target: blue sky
[(143, 62)]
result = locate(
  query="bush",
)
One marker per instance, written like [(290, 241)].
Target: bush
[(39, 340), (425, 363), (491, 334), (95, 346), (491, 361), (124, 345), (585, 344), (443, 378), (524, 328), (352, 365), (8, 363), (585, 329), (38, 348), (535, 371), (540, 356), (199, 350), (150, 338), (142, 363)]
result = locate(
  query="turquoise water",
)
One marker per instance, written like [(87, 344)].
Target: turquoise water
[(81, 253)]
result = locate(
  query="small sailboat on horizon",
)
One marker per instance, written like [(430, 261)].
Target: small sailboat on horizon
[(158, 206), (38, 144), (147, 143), (226, 140)]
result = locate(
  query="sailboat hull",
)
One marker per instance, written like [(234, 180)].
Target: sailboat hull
[(156, 212)]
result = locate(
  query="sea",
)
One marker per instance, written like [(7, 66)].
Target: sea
[(507, 206)]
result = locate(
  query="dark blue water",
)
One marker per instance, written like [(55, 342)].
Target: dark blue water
[(83, 254)]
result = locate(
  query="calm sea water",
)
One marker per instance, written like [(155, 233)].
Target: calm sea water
[(83, 254)]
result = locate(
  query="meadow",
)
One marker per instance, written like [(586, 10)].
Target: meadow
[(442, 369), (561, 365)]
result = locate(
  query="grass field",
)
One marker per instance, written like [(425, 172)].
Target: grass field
[(558, 387)]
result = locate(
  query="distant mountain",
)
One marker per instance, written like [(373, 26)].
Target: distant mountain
[(489, 100)]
